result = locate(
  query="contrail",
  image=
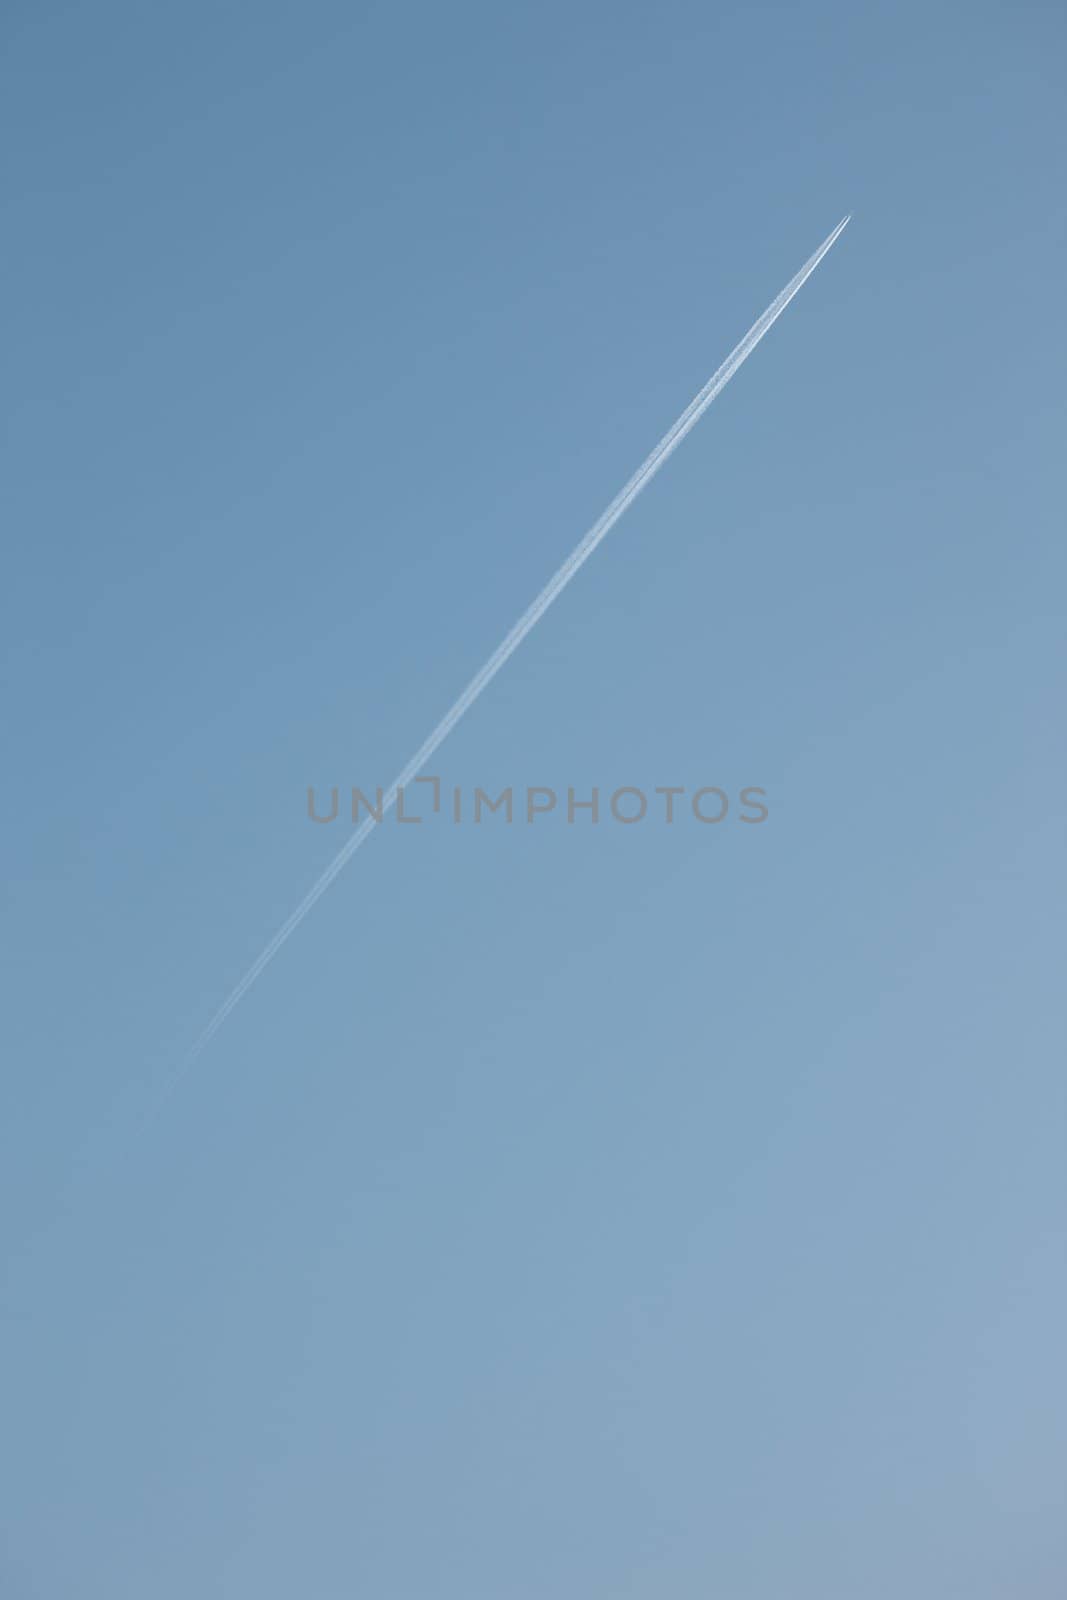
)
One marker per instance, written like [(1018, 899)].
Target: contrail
[(529, 619)]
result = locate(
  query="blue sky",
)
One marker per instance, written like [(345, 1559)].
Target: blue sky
[(619, 1212)]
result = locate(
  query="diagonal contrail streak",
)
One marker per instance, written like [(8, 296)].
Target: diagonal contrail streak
[(529, 619)]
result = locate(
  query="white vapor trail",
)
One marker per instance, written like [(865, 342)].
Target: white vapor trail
[(529, 619)]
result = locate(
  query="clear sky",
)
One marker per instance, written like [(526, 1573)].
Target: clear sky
[(602, 1213)]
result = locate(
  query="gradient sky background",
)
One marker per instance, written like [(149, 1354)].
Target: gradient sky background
[(647, 1213)]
